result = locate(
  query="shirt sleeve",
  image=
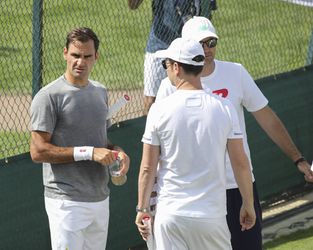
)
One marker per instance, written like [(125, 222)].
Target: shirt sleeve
[(150, 135), (253, 98), (42, 113), (166, 88)]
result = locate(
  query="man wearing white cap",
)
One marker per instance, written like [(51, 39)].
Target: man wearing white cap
[(190, 148), (232, 81)]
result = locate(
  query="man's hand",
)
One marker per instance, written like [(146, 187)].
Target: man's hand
[(103, 156), (143, 229), (247, 217), (125, 161), (304, 168)]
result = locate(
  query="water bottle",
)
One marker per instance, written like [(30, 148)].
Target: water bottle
[(114, 169), (150, 239)]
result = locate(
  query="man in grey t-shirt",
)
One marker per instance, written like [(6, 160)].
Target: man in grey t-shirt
[(69, 136)]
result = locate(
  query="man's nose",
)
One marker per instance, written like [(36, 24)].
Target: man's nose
[(80, 61)]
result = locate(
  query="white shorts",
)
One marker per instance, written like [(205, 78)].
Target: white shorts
[(174, 232), (154, 73), (78, 225)]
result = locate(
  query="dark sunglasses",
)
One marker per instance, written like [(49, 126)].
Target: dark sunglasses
[(211, 43), (164, 64)]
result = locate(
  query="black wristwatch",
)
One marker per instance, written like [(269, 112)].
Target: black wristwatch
[(301, 159)]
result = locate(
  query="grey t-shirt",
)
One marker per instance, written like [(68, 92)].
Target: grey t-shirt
[(74, 116)]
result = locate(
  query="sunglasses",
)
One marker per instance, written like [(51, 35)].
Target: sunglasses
[(211, 43), (164, 64)]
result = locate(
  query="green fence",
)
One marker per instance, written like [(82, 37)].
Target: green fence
[(268, 37)]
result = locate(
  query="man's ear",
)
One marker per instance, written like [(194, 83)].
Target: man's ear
[(64, 53), (176, 68), (97, 55)]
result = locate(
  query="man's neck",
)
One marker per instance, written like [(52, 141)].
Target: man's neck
[(208, 69), (189, 85), (76, 82)]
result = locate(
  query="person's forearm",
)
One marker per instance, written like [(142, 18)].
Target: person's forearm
[(278, 133), (244, 181), (276, 130), (147, 173), (145, 186), (47, 152)]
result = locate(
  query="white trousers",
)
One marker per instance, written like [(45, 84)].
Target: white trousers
[(78, 225), (173, 232)]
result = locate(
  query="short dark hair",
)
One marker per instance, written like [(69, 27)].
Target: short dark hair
[(188, 68), (82, 34)]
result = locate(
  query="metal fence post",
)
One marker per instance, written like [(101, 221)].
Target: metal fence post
[(207, 8), (37, 46)]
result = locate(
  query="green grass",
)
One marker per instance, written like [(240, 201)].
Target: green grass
[(267, 37), (13, 143), (15, 45), (300, 240)]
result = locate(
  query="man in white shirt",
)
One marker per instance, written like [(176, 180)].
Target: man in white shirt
[(232, 81), (190, 148)]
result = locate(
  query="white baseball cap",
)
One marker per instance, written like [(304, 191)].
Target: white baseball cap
[(198, 28), (184, 50)]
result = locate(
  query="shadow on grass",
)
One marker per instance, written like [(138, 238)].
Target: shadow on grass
[(297, 236)]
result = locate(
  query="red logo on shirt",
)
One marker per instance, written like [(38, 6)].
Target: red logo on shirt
[(221, 92)]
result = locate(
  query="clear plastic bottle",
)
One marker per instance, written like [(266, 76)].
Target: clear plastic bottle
[(150, 239), (114, 169)]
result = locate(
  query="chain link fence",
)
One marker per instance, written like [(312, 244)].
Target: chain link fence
[(268, 37)]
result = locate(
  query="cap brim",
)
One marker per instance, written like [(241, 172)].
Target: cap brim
[(204, 35)]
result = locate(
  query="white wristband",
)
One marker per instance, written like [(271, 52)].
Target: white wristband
[(83, 153)]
